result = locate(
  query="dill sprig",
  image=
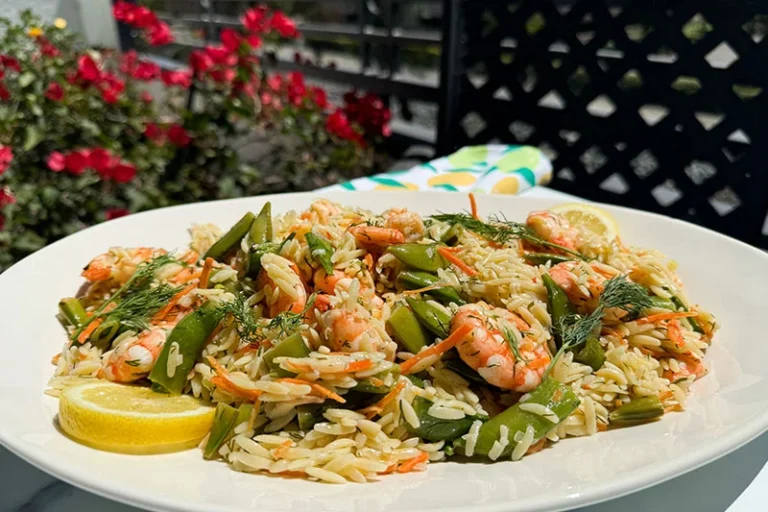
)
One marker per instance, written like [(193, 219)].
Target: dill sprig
[(136, 309), (287, 322), (500, 230), (512, 341), (246, 320), (618, 292), (140, 281)]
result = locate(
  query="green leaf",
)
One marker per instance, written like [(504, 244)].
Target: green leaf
[(25, 79), (32, 136)]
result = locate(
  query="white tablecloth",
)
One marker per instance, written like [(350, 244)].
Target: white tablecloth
[(737, 482)]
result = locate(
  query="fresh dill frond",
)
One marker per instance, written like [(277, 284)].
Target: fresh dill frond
[(136, 309), (619, 292), (500, 230), (512, 341), (246, 320), (288, 322)]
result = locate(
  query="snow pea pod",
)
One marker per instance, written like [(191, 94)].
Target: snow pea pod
[(435, 429), (223, 423), (292, 346), (189, 337), (415, 280), (542, 258), (557, 397), (231, 238), (419, 256), (430, 316), (638, 410), (407, 329), (321, 251), (72, 310), (261, 228), (591, 354), (559, 305)]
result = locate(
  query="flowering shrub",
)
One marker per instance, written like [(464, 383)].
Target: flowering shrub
[(82, 139)]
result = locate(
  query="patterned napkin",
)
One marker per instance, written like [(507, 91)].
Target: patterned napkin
[(495, 169)]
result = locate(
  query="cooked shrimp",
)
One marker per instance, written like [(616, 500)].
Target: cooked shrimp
[(486, 350), (354, 331), (321, 210), (282, 283), (134, 357), (375, 236), (687, 366), (340, 281), (579, 280), (405, 221), (118, 263), (553, 228)]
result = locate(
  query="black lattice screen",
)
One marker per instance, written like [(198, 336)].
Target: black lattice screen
[(652, 104)]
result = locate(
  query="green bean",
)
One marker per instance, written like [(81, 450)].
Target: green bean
[(415, 280), (557, 397), (638, 410), (292, 346), (231, 238), (435, 429), (223, 422), (542, 258), (189, 337), (261, 228), (559, 305), (418, 256), (430, 316), (321, 251), (591, 354), (72, 311), (407, 330)]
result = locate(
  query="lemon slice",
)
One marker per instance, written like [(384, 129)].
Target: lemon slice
[(132, 419), (589, 218)]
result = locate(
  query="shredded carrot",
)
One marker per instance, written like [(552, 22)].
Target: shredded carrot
[(439, 348), (83, 336), (521, 324), (319, 389), (376, 382), (191, 257), (601, 427), (186, 276), (473, 206), (368, 259), (206, 273), (373, 410), (666, 316), (538, 363), (358, 366), (235, 390), (448, 255), (537, 447), (279, 452), (390, 469), (299, 367), (56, 358), (410, 464), (674, 333), (172, 303)]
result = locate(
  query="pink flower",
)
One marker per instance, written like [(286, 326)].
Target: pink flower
[(231, 39), (225, 75), (128, 62), (266, 99), (200, 61), (6, 157), (254, 41), (54, 92), (6, 197), (56, 161), (182, 78), (319, 97), (275, 82), (160, 34), (146, 97), (146, 71), (221, 55), (77, 161), (10, 63), (178, 135), (284, 25), (123, 172), (154, 133), (87, 69), (100, 160), (115, 213), (255, 20)]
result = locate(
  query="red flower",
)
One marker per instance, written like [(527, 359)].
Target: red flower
[(200, 61), (6, 157), (146, 71), (128, 62), (123, 172), (54, 92), (146, 97), (10, 63), (100, 160), (284, 25), (121, 10), (266, 99), (47, 48), (296, 78), (56, 161), (115, 213), (160, 34), (338, 124), (142, 17), (231, 39), (4, 93), (182, 78), (319, 97), (111, 87), (275, 82), (225, 75), (255, 20), (154, 133), (6, 197), (178, 135), (77, 161), (221, 55), (87, 69), (254, 41)]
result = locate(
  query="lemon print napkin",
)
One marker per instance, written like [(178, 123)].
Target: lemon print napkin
[(493, 169)]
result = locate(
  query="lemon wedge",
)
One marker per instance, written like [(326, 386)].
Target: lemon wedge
[(132, 419), (590, 218)]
